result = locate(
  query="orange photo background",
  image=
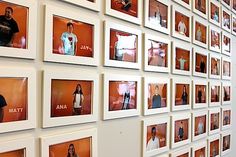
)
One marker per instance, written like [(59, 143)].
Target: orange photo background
[(214, 9), (62, 94), (214, 145), (200, 152), (15, 92), (82, 148), (203, 89), (83, 31), (215, 92), (160, 133), (203, 30), (215, 119), (179, 88), (198, 62), (226, 91), (162, 91), (178, 16), (185, 126), (184, 155), (197, 121), (15, 153), (226, 114), (133, 10), (185, 55), (20, 15), (202, 8), (116, 94)]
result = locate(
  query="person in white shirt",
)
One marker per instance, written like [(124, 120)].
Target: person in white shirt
[(200, 127), (78, 100), (182, 27), (181, 63), (199, 34), (153, 143)]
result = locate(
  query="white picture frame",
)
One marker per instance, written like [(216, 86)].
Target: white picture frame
[(67, 75), (218, 31), (217, 4), (86, 4), (147, 67), (176, 81), (215, 110), (203, 53), (233, 24), (201, 82), (50, 12), (222, 18), (152, 25), (30, 51), (228, 6), (181, 2), (152, 122), (198, 146), (116, 63), (217, 68), (47, 141), (225, 109), (226, 84), (181, 151), (214, 83), (115, 13), (30, 121), (120, 113), (224, 48), (198, 12), (211, 139), (226, 76), (196, 114), (224, 134), (154, 80)]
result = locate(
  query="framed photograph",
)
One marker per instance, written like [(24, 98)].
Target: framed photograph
[(77, 104), (122, 46), (200, 31), (186, 3), (156, 136), (80, 143), (214, 120), (157, 54), (157, 15), (181, 97), (215, 66), (89, 4), (70, 37), (226, 17), (214, 39), (199, 124), (200, 93), (226, 141), (121, 96), (17, 29), (214, 93), (226, 68), (214, 146), (183, 152), (226, 93), (129, 10), (200, 62), (226, 3), (234, 23), (18, 110), (156, 95), (226, 120), (18, 148), (182, 58), (226, 43), (214, 12), (200, 7), (233, 6), (181, 129), (199, 149), (181, 23)]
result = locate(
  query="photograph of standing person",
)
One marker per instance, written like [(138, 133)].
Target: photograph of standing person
[(3, 103), (181, 130), (78, 100), (154, 141), (182, 59), (129, 7), (157, 96)]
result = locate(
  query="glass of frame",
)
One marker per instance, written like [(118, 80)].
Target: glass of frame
[(200, 62), (233, 24), (69, 98), (181, 129), (89, 4), (226, 93), (17, 29), (226, 43), (81, 143), (200, 32), (226, 3), (122, 46), (200, 124), (200, 93), (226, 141), (214, 12), (186, 3), (70, 37), (18, 147), (200, 7), (182, 152), (157, 95), (181, 97), (226, 19), (214, 39), (121, 96), (226, 68), (157, 15), (155, 136), (199, 149), (129, 10), (181, 23), (214, 93), (214, 120), (215, 66), (214, 146), (182, 58), (226, 119), (157, 54), (18, 110)]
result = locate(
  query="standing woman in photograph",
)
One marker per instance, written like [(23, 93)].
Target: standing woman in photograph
[(71, 151), (126, 99), (78, 100), (184, 96)]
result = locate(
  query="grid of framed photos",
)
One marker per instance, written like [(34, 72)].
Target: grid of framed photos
[(166, 62)]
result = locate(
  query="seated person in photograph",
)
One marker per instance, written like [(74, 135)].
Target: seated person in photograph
[(182, 27), (200, 127), (3, 103), (8, 28), (126, 4), (216, 16), (126, 99), (69, 40), (184, 96), (78, 100), (153, 143), (181, 132), (156, 98), (71, 151), (199, 95), (157, 52), (202, 66), (181, 62), (199, 34)]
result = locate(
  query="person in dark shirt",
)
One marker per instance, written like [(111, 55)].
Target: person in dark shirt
[(156, 99), (199, 95), (8, 28), (3, 103), (126, 4), (184, 96), (126, 100), (202, 66), (181, 132)]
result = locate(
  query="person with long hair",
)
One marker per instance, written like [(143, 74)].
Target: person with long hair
[(71, 151), (78, 100), (184, 96)]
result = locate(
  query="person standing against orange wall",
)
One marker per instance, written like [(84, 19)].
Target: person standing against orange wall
[(3, 103)]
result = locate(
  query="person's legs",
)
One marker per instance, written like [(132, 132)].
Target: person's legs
[(1, 114)]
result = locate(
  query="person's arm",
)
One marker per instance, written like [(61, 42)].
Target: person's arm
[(82, 98), (178, 26), (185, 29)]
